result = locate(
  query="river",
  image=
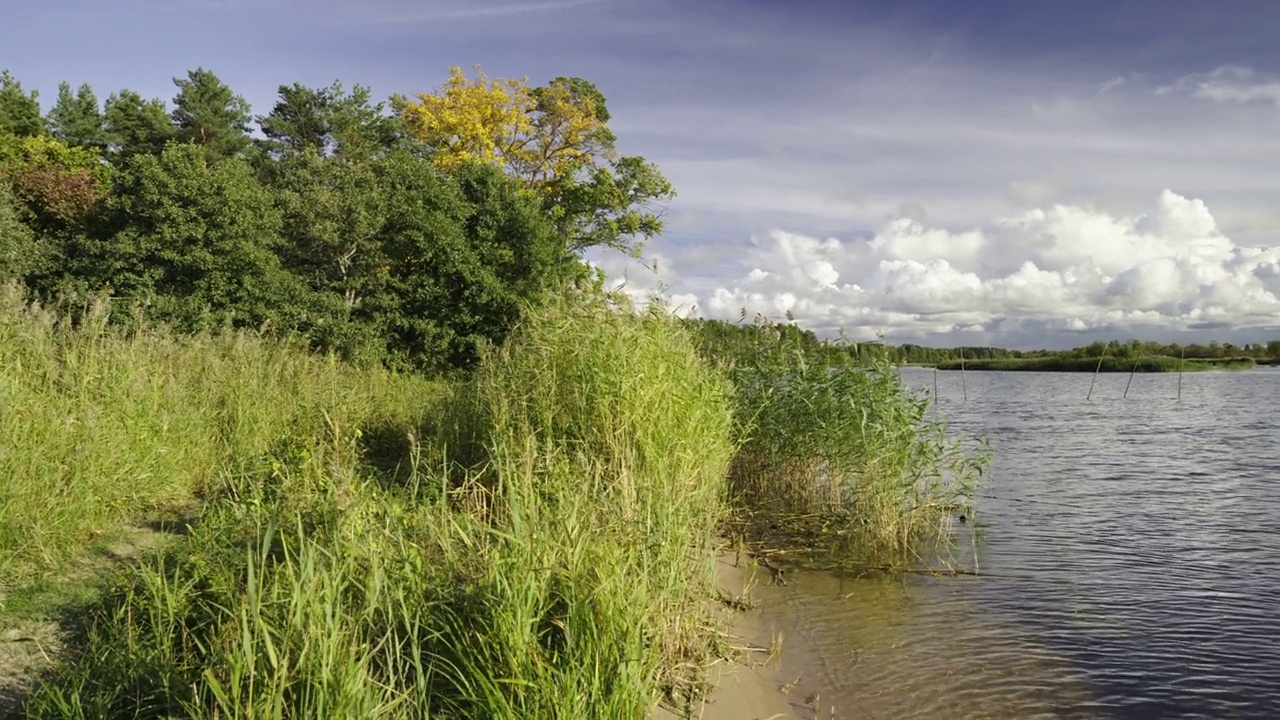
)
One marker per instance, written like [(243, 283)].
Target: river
[(1128, 557)]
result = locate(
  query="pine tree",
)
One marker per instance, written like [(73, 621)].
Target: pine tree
[(207, 113)]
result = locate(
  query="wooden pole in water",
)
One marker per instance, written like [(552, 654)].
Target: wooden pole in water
[(1131, 374), (963, 387), (935, 383), (1096, 371), (1181, 360)]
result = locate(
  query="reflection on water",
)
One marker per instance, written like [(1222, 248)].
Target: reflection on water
[(1130, 563)]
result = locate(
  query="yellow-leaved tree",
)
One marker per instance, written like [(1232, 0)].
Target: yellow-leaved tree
[(555, 141)]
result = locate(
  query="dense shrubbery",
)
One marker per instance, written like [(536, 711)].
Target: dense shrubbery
[(348, 224)]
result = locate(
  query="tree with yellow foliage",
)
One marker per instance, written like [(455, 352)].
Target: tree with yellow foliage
[(556, 141)]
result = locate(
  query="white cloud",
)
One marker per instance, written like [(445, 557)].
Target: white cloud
[(1065, 269), (1227, 84)]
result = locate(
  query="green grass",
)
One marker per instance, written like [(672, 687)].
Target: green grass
[(534, 541), (101, 428), (1152, 364)]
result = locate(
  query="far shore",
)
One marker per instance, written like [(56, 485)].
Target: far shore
[(1151, 364)]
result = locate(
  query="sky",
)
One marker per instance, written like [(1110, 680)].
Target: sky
[(1015, 173)]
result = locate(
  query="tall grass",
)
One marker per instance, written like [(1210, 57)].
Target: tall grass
[(100, 427), (538, 547), (841, 457)]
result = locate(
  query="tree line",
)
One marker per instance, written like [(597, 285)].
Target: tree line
[(409, 231), (730, 338)]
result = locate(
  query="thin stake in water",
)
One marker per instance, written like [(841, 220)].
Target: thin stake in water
[(1181, 361), (1131, 374), (1096, 371)]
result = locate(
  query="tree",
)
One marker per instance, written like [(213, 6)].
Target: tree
[(207, 113), (328, 121), (136, 126), (197, 237), (555, 141), (464, 252), (77, 119), (54, 183), (17, 243), (19, 111), (333, 213)]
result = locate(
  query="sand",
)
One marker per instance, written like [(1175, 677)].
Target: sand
[(751, 688)]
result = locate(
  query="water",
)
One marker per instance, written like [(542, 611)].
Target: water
[(1129, 557)]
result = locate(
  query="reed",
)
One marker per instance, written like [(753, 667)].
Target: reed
[(841, 458)]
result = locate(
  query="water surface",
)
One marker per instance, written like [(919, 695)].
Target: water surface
[(1129, 563)]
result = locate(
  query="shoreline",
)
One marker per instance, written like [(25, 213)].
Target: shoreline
[(751, 686)]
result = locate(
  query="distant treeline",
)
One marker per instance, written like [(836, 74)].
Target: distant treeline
[(1258, 352), (1116, 356), (411, 231), (1150, 363)]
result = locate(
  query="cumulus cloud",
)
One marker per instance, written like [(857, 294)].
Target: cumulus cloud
[(1061, 269)]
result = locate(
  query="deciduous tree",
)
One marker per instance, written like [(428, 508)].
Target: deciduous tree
[(555, 140)]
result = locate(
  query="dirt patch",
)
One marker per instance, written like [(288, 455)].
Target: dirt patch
[(34, 621), (27, 648)]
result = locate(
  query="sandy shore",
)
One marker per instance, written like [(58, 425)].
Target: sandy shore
[(750, 689)]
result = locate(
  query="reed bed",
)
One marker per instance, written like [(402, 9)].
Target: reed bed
[(839, 459)]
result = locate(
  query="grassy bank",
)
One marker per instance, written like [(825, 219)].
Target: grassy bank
[(102, 428), (1153, 364), (534, 541)]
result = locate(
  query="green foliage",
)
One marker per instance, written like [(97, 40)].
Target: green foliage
[(464, 254), (77, 119), (613, 207), (136, 126), (196, 238), (328, 121), (333, 214), (207, 113), (17, 242), (19, 111)]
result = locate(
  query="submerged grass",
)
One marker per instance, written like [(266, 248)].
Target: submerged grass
[(539, 546)]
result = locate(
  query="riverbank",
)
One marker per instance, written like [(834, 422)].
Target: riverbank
[(530, 539), (749, 685)]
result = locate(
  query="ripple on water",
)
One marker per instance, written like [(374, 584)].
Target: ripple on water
[(1131, 564)]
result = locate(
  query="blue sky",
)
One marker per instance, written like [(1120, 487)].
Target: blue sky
[(1017, 173)]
